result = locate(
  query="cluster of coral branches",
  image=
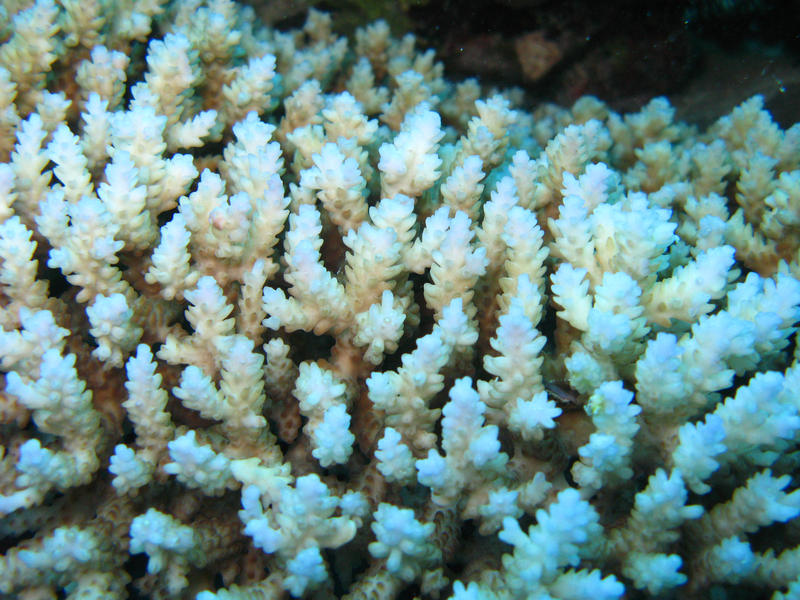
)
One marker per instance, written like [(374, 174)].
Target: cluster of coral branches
[(287, 314)]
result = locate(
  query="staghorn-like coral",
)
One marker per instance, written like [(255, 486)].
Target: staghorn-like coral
[(285, 314)]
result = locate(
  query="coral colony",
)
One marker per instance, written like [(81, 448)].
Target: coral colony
[(290, 315)]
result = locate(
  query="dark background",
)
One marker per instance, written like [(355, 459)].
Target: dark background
[(705, 55)]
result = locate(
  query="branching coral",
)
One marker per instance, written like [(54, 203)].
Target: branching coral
[(294, 316)]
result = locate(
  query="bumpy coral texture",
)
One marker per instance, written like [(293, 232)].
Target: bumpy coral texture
[(286, 314)]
